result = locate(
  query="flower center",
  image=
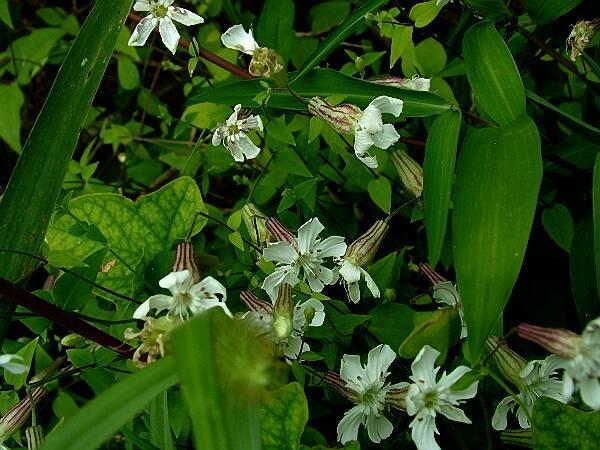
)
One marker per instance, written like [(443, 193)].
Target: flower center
[(372, 397), (160, 11), (430, 399)]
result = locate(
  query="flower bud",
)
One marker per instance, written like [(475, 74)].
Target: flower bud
[(185, 259), (415, 83), (256, 304), (72, 340), (508, 362), (35, 437), (518, 438), (561, 342), (342, 118), (409, 171), (309, 314), (15, 418), (256, 224), (432, 275), (283, 313), (363, 249), (267, 63), (280, 232), (581, 35)]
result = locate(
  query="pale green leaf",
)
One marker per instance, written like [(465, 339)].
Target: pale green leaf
[(380, 192), (10, 115), (424, 13), (283, 418), (558, 223), (27, 352)]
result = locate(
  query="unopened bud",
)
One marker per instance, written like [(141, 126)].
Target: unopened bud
[(409, 171), (72, 340), (267, 63), (256, 224), (432, 275), (283, 313), (362, 251), (415, 83), (519, 438), (185, 259), (280, 232), (341, 118), (581, 35), (561, 342), (15, 417), (35, 437), (508, 362), (309, 314)]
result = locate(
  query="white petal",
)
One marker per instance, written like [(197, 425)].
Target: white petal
[(318, 318), (423, 370), (13, 363), (454, 413), (158, 302), (386, 137), (169, 34), (351, 369), (251, 123), (446, 293), (280, 252), (281, 275), (590, 392), (175, 279), (362, 142), (295, 347), (238, 39), (347, 429), (185, 17), (353, 292), (370, 120), (523, 419), (233, 118), (368, 160), (500, 417), (142, 5), (307, 235), (371, 284), (378, 427), (568, 387), (387, 105), (142, 31), (332, 246), (316, 284), (447, 381), (423, 433), (209, 289), (242, 148), (379, 360), (217, 136), (350, 272)]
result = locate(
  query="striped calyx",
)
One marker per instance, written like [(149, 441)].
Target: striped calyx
[(342, 118), (561, 342), (409, 171), (185, 259), (508, 362), (362, 251), (280, 232), (283, 313), (35, 437), (432, 275), (256, 224), (15, 417), (256, 304)]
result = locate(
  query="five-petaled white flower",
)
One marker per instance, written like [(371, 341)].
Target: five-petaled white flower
[(351, 274), (446, 293), (370, 130), (161, 13), (186, 297), (427, 397), (233, 135), (369, 390), (537, 379), (239, 39), (13, 363), (305, 253)]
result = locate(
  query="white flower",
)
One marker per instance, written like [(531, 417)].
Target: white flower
[(351, 273), (370, 130), (446, 293), (427, 397), (417, 83), (292, 345), (537, 380), (13, 363), (186, 297), (239, 39), (369, 388), (305, 253), (161, 13), (233, 135)]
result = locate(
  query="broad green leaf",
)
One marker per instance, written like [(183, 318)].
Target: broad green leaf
[(439, 329), (278, 129), (5, 14), (136, 231), (544, 11), (391, 323), (584, 272), (276, 26), (493, 74), (324, 83), (129, 77), (558, 223), (27, 352), (596, 215), (37, 178), (498, 177), (283, 418), (10, 115), (380, 192), (438, 178), (401, 39), (100, 419), (430, 57), (325, 16), (424, 13), (345, 29), (490, 9), (556, 426)]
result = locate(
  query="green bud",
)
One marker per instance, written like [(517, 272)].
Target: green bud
[(342, 118), (256, 224), (72, 340), (507, 361), (283, 313), (362, 251), (309, 314), (185, 259), (15, 418), (409, 171)]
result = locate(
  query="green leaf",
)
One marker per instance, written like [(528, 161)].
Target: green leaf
[(424, 13), (430, 57), (439, 329), (160, 427), (596, 215), (283, 418), (129, 77), (345, 29), (558, 223), (10, 115), (401, 39), (136, 231), (325, 83), (561, 427), (5, 14), (493, 74), (584, 271), (490, 9), (276, 25), (100, 419), (544, 11), (498, 177), (325, 16), (27, 352), (380, 192), (391, 323), (438, 178), (278, 129)]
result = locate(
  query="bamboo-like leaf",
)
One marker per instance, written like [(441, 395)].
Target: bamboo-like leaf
[(493, 74), (596, 214), (104, 415), (583, 271), (160, 426), (345, 29), (544, 11), (438, 177), (324, 83), (498, 177)]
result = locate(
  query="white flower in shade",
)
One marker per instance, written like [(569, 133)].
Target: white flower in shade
[(447, 294), (369, 389), (239, 39), (186, 297), (370, 130), (351, 273), (162, 13), (537, 379), (581, 355), (428, 397), (417, 83), (233, 135), (304, 254), (13, 363)]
